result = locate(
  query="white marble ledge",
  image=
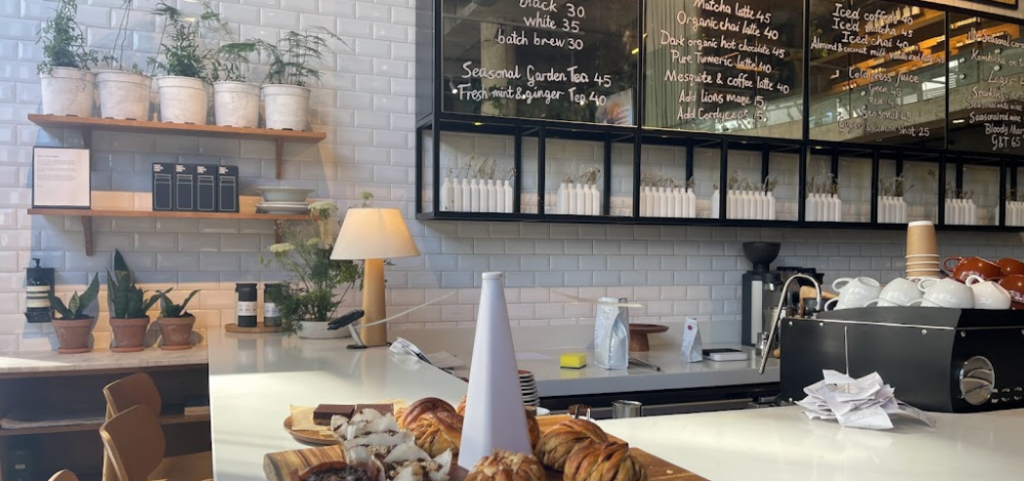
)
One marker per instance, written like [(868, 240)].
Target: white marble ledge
[(50, 362)]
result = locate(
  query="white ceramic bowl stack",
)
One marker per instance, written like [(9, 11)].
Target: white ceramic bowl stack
[(528, 386), (284, 200)]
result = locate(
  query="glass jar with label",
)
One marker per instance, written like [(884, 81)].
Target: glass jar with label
[(271, 316), (37, 293), (246, 304)]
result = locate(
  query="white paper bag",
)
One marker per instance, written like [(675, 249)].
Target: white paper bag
[(692, 348), (611, 335)]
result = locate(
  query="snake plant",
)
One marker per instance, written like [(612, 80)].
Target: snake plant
[(75, 309), (127, 301), (171, 310)]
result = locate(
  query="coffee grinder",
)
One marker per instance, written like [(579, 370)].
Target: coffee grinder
[(761, 287)]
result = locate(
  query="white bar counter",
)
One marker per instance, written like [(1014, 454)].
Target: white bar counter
[(254, 379)]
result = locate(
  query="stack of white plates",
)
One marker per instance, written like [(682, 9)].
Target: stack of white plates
[(528, 386), (284, 200)]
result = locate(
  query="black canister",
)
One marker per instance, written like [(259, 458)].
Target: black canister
[(246, 304), (271, 317), (38, 287)]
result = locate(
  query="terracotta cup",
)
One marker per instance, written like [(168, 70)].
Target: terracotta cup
[(1014, 284), (1010, 266), (964, 267), (921, 238)]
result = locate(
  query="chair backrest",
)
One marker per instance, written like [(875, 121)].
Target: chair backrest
[(64, 475), (134, 442), (135, 390)]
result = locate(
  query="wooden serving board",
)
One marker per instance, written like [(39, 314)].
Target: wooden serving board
[(281, 466)]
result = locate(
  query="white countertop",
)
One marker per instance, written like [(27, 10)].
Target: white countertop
[(253, 380), (782, 444), (551, 342), (23, 363)]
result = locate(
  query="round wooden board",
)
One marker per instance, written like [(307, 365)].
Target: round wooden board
[(638, 336), (308, 437), (259, 329)]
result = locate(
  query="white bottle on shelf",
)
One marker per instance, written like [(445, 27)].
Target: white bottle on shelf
[(837, 208), (474, 196), (662, 205), (595, 200), (499, 197), (730, 204), (465, 195), (716, 203), (679, 206), (810, 210), (508, 197), (561, 198), (649, 202), (570, 199), (581, 199), (771, 206), (750, 204), (691, 202), (588, 200), (446, 194), (972, 211), (643, 200), (492, 197), (760, 205)]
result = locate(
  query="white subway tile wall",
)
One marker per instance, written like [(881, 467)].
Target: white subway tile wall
[(364, 107)]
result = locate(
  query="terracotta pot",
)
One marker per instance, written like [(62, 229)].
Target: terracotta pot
[(176, 332), (73, 336), (972, 266), (129, 334), (1010, 266)]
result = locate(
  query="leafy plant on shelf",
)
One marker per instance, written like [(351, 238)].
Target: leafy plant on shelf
[(310, 294), (291, 60), (126, 300), (76, 306), (63, 41), (184, 54), (171, 310)]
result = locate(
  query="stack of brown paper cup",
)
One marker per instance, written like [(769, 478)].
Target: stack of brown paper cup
[(922, 250)]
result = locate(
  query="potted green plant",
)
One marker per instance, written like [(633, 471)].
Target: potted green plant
[(236, 101), (123, 89), (292, 65), (67, 85), (185, 64), (308, 300), (128, 307), (74, 328), (175, 322)]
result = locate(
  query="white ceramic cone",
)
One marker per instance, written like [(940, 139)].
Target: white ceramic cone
[(495, 416)]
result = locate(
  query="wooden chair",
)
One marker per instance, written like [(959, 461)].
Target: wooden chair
[(64, 475), (134, 442), (135, 390)]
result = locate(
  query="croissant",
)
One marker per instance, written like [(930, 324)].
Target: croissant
[(438, 431), (507, 466), (603, 462), (532, 426), (558, 443), (461, 409), (408, 416)]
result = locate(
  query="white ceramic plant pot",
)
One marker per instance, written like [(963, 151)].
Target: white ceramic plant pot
[(183, 100), (287, 106), (68, 91), (236, 104), (318, 330), (123, 95)]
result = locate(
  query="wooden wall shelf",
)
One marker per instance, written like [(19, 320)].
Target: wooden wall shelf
[(88, 124), (165, 420), (87, 214)]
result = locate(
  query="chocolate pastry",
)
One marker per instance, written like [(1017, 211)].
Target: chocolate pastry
[(381, 408), (438, 431), (604, 462), (323, 413), (507, 466), (558, 443)]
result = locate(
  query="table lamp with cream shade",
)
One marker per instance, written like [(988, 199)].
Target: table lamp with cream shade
[(372, 235)]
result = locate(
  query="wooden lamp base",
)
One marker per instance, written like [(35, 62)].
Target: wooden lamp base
[(373, 305)]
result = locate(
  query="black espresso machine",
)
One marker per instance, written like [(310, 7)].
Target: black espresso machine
[(937, 359)]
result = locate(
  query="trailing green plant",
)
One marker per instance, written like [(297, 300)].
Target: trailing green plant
[(115, 59), (292, 59), (126, 300), (184, 54), (75, 309), (310, 294), (63, 41), (171, 310)]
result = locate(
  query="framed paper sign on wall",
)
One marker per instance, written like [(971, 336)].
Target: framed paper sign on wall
[(60, 178)]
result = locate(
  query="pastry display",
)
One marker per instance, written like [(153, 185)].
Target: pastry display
[(408, 416), (410, 463), (360, 466), (380, 445), (558, 443), (507, 466), (437, 431), (365, 422), (603, 462)]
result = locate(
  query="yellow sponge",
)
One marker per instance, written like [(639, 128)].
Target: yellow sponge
[(574, 360)]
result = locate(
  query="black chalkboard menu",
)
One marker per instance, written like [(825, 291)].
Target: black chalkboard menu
[(572, 60), (986, 80), (877, 73), (724, 66)]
